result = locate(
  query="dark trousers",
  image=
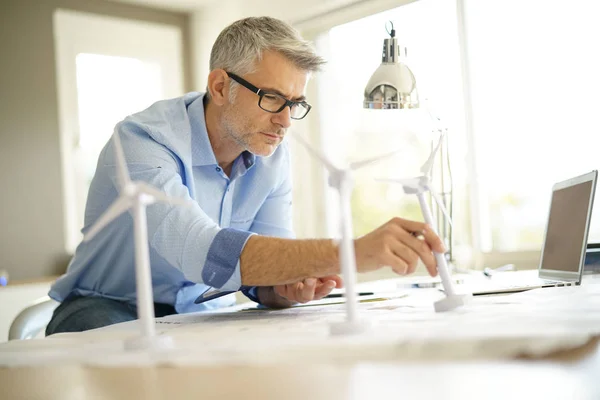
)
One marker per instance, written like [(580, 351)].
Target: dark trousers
[(77, 314)]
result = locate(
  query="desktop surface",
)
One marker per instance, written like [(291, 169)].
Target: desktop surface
[(411, 351), (571, 375)]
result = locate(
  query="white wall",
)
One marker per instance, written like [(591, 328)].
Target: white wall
[(309, 16), (32, 231), (205, 26)]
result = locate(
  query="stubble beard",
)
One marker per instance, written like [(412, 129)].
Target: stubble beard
[(240, 131), (231, 128)]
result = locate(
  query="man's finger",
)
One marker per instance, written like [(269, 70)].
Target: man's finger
[(407, 255), (290, 291), (433, 240), (324, 289), (397, 264), (307, 291), (280, 290), (423, 250), (420, 228), (339, 283), (409, 225), (420, 247), (295, 291)]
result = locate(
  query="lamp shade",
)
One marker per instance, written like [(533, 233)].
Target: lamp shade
[(392, 85)]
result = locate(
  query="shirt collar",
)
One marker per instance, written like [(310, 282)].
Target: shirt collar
[(249, 159), (202, 152)]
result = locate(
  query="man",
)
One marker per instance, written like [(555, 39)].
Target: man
[(224, 150)]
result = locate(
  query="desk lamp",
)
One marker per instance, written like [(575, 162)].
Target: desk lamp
[(136, 196), (392, 87)]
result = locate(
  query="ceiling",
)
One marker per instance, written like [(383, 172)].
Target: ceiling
[(289, 10), (173, 5)]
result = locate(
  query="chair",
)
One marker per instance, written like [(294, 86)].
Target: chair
[(29, 322)]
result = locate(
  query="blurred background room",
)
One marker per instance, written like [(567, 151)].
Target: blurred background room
[(513, 83)]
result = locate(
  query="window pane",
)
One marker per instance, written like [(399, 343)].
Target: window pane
[(108, 89), (535, 86), (427, 29)]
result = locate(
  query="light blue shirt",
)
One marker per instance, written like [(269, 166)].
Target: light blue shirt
[(192, 249)]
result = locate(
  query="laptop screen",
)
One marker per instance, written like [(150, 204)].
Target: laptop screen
[(568, 225)]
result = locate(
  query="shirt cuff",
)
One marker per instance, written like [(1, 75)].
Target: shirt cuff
[(251, 292), (222, 267), (211, 295)]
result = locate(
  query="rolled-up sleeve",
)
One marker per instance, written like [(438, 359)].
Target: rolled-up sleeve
[(222, 267)]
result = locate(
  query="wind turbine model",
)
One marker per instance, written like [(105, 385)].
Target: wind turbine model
[(137, 195), (341, 180), (419, 185)]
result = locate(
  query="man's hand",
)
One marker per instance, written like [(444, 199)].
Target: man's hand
[(308, 289), (282, 296), (400, 244)]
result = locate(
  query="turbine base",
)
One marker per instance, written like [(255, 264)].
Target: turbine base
[(451, 302)]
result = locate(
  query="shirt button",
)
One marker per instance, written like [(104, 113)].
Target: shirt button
[(218, 169)]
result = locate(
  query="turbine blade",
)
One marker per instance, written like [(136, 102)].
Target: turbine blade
[(364, 163), (315, 153), (163, 197), (426, 168), (116, 209), (440, 204), (122, 174)]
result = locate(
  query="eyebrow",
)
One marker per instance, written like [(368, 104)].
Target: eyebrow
[(273, 90)]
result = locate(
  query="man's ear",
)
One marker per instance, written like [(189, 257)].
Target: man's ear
[(218, 86)]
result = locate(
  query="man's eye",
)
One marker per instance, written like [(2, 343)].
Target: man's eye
[(271, 97)]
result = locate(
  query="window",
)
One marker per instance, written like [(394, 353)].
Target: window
[(427, 29), (108, 89), (107, 69), (533, 85)]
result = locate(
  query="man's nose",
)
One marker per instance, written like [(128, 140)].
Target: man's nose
[(283, 118)]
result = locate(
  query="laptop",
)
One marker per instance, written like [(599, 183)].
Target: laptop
[(565, 240)]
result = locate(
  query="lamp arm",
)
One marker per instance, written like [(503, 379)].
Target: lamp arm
[(450, 207)]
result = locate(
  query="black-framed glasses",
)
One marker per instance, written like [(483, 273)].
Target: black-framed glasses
[(273, 102)]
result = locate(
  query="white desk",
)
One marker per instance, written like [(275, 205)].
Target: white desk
[(559, 379), (411, 353)]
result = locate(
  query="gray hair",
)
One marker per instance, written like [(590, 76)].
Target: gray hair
[(240, 46)]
